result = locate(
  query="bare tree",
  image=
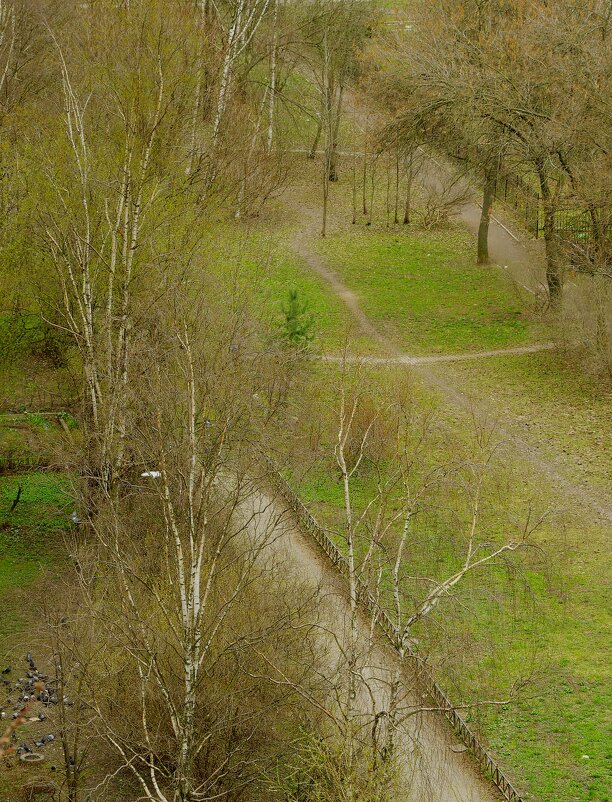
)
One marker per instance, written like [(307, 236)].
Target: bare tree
[(335, 33), (103, 240), (185, 556), (375, 531)]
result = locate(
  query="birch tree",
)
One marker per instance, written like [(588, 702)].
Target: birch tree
[(240, 27), (105, 240), (376, 531), (187, 597)]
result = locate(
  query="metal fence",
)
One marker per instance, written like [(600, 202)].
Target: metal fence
[(511, 189), (573, 224), (422, 671)]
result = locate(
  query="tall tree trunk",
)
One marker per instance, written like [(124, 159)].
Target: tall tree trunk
[(488, 197), (397, 182), (372, 190), (333, 157), (409, 179), (388, 193), (272, 82), (354, 220), (365, 173), (317, 137), (554, 279)]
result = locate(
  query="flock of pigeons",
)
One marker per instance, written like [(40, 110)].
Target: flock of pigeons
[(23, 693)]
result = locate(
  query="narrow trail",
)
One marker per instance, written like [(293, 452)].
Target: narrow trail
[(430, 768), (406, 359), (304, 245)]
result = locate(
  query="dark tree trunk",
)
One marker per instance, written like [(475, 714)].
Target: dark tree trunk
[(554, 278), (409, 179), (488, 197), (333, 160), (315, 143)]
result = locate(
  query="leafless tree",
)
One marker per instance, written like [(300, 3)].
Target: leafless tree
[(103, 240)]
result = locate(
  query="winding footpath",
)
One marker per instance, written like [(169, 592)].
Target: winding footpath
[(304, 244), (406, 359)]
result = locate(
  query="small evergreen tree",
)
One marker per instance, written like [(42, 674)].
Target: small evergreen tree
[(297, 326)]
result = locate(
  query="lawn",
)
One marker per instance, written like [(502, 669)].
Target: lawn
[(553, 405), (30, 536), (266, 268), (424, 290)]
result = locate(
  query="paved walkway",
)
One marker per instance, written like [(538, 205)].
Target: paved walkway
[(429, 768)]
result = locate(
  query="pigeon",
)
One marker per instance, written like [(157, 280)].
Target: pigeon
[(47, 739), (7, 670), (42, 717)]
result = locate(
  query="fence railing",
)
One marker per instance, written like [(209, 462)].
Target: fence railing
[(11, 461), (573, 224), (422, 671)]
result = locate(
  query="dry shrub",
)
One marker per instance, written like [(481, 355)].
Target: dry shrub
[(585, 324), (443, 202), (373, 428)]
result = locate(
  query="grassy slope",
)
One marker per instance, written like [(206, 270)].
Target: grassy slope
[(551, 618), (267, 268), (423, 289), (563, 411)]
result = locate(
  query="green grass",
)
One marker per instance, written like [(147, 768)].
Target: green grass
[(30, 536), (427, 293), (546, 616), (550, 616), (558, 408), (267, 268)]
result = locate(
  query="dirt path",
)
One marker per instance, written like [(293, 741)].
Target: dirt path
[(565, 483), (430, 769), (406, 359)]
